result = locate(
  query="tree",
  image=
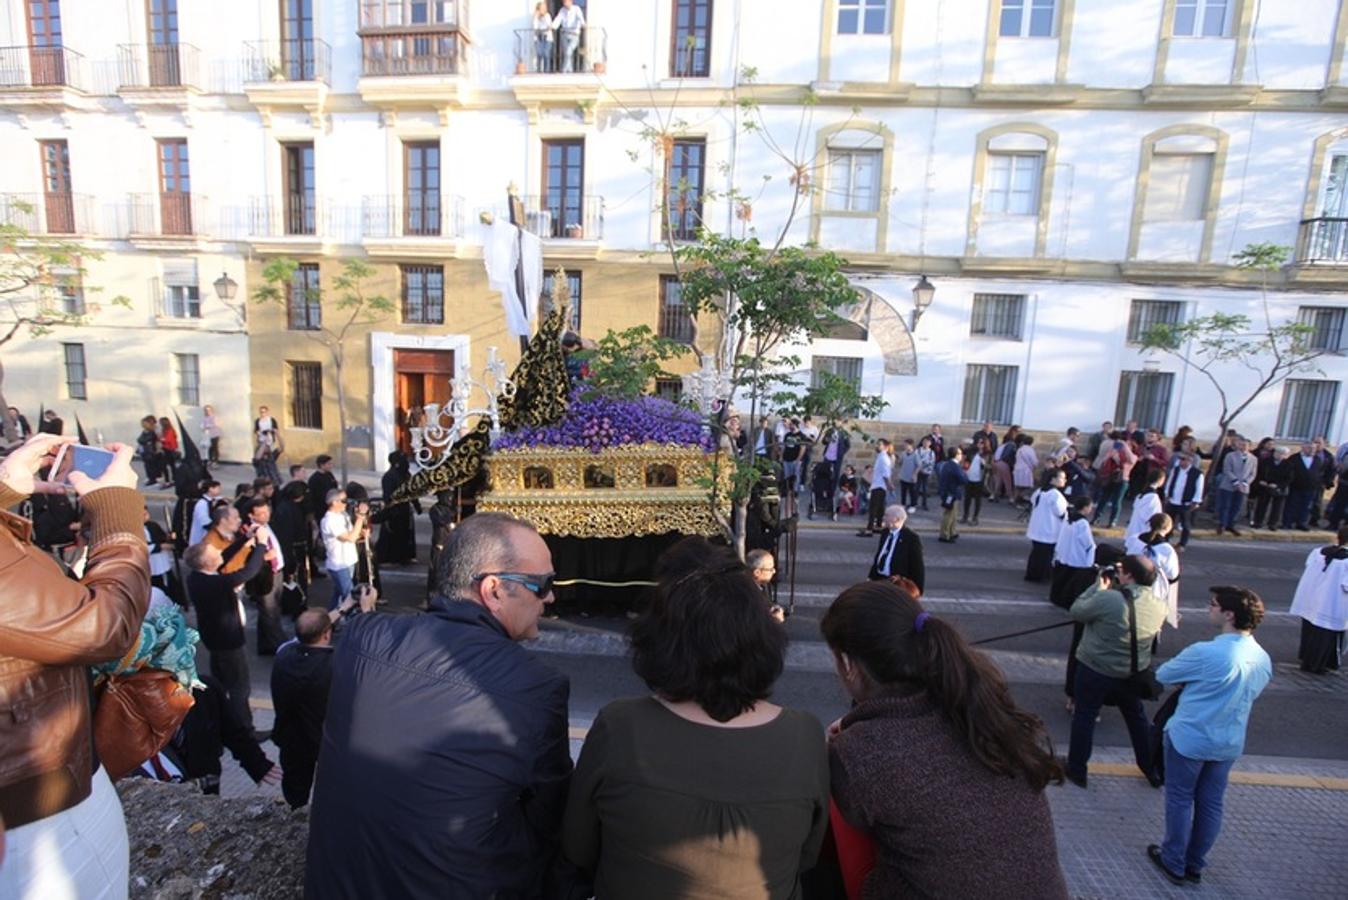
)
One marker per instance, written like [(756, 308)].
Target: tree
[(352, 308), (833, 400), (1209, 344), (624, 363), (33, 268)]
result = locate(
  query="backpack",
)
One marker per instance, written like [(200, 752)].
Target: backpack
[(1111, 473)]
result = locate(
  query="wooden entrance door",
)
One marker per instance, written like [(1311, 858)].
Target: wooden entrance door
[(419, 377)]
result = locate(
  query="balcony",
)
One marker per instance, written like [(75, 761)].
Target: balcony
[(289, 76), (571, 227), (293, 224), (57, 215), (548, 57), (164, 221), (412, 55), (155, 66), (41, 78), (1323, 241), (417, 225)]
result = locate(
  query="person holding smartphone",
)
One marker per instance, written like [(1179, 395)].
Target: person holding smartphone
[(53, 793)]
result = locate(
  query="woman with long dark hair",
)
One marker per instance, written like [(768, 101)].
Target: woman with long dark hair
[(935, 761)]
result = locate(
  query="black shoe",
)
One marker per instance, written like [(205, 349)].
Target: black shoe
[(1193, 877), (1303, 528), (944, 540), (1078, 780), (1220, 529), (1234, 531), (1155, 779), (1154, 854), (865, 534)]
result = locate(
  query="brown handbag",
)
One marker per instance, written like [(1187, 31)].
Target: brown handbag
[(136, 716)]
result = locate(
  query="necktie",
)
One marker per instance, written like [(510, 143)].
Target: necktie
[(887, 552)]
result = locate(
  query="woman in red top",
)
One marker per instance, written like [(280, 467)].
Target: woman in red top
[(168, 440)]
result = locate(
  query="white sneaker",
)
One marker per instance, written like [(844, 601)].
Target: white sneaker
[(912, 509)]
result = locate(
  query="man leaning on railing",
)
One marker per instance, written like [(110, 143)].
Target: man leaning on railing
[(569, 21)]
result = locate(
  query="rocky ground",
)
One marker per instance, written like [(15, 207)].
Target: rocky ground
[(188, 846)]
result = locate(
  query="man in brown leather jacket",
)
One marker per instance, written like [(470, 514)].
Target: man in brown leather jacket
[(52, 629)]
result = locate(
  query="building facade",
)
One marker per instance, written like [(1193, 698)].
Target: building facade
[(1065, 172)]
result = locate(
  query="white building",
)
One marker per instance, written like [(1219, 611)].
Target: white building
[(1064, 171)]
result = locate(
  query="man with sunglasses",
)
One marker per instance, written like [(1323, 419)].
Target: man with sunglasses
[(446, 755)]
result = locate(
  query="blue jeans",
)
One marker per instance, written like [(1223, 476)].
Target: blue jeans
[(1089, 695), (1228, 507), (1111, 497), (342, 583), (1193, 808), (570, 41), (542, 54)]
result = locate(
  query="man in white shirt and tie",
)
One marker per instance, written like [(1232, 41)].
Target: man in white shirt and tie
[(900, 550), (264, 589)]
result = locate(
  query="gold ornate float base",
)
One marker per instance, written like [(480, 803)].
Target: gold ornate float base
[(622, 492)]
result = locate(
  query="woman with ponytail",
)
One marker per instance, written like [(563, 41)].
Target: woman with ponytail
[(935, 762)]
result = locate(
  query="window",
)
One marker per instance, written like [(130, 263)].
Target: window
[(998, 315), (70, 292), (564, 185), (44, 42), (1326, 323), (421, 188), (1307, 408), (989, 394), (1145, 398), (301, 211), (853, 180), (1039, 22), (687, 168), (863, 16), (394, 13), (1177, 187), (670, 389), (675, 322), (1202, 18), (187, 378), (573, 281), (1013, 184), (175, 187), (306, 394), (76, 375), (58, 203), (305, 306), (848, 367), (181, 297), (690, 55), (1145, 313), (423, 294)]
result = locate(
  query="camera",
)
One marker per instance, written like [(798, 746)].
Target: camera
[(1109, 573)]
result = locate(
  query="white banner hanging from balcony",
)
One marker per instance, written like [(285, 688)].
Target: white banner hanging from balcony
[(506, 249)]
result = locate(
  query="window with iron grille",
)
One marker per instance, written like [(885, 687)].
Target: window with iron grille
[(187, 377), (1307, 408), (989, 394), (1143, 314), (670, 389), (863, 16), (848, 367), (687, 170), (423, 294), (1326, 323), (998, 315), (76, 374), (306, 394), (675, 322), (574, 282), (305, 301), (1144, 397)]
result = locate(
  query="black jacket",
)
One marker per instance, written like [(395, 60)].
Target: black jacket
[(300, 679), (217, 604), (906, 561), (1306, 478), (319, 484), (445, 761)]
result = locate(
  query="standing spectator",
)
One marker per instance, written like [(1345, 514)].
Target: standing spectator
[(569, 23), (1145, 505), (1307, 482), (51, 424), (882, 471), (937, 441), (926, 466), (1003, 483), (1048, 513), (1067, 442), (210, 430), (950, 482), (977, 468), (150, 453), (847, 491), (265, 588), (1079, 477), (1206, 735), (1098, 440), (340, 533), (656, 770), (160, 547), (290, 523), (935, 761), (1321, 601), (907, 466), (543, 42), (21, 426), (397, 543), (264, 425), (1112, 470), (1328, 470), (1183, 494), (220, 613), (445, 754), (765, 444), (793, 447), (988, 436), (1026, 464), (1273, 474), (1112, 609), (1337, 509), (168, 443), (899, 551), (762, 567), (836, 444), (65, 835), (320, 483)]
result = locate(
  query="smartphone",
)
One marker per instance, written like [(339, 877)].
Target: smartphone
[(92, 461)]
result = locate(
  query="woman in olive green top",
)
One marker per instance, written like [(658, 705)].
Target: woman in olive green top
[(704, 790)]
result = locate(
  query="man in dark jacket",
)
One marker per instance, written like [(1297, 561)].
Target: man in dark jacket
[(1306, 483), (446, 756), (220, 615), (211, 726), (300, 680), (900, 550)]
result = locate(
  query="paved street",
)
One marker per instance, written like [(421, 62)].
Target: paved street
[(1289, 797)]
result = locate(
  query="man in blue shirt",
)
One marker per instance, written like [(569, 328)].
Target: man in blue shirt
[(1221, 678)]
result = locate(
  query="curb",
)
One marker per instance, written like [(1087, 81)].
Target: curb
[(1248, 535)]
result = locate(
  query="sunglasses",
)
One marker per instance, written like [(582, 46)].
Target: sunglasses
[(540, 585)]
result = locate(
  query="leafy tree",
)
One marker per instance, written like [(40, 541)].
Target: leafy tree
[(1209, 344), (624, 363), (832, 400), (32, 270), (347, 308)]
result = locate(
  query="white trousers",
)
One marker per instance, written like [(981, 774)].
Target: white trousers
[(78, 854)]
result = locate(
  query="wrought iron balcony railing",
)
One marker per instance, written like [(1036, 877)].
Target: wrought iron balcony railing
[(562, 51), (30, 66), (287, 61), (158, 65), (48, 214), (166, 215), (557, 215), (1323, 240), (412, 215)]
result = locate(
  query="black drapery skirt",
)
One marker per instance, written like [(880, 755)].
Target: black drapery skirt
[(1039, 567), (1321, 649), (1069, 582)]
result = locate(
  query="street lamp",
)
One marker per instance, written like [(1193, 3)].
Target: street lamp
[(923, 293), (225, 287)]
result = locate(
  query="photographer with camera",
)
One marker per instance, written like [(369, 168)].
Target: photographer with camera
[(1121, 615), (340, 531)]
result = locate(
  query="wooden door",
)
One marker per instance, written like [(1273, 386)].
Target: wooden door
[(162, 28), (420, 377), (57, 199), (297, 39), (301, 211), (564, 185), (44, 42), (421, 180), (175, 187)]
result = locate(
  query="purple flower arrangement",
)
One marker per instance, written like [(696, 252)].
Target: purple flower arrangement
[(599, 423)]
